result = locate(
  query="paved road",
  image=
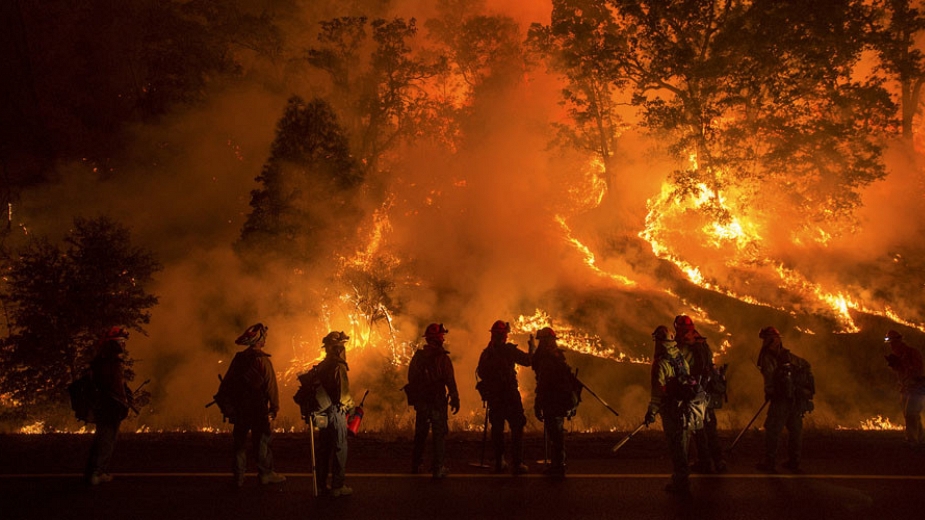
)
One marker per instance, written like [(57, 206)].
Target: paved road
[(179, 480), (208, 496)]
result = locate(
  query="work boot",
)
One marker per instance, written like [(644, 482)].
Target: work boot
[(342, 491), (239, 481), (555, 471), (519, 469), (441, 472), (721, 466), (100, 478), (682, 489), (272, 478), (702, 467), (501, 466)]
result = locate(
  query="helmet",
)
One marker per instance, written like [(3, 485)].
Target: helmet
[(116, 333), (501, 327), (435, 330), (769, 332), (661, 334), (682, 321), (335, 338), (254, 334), (546, 332), (892, 336)]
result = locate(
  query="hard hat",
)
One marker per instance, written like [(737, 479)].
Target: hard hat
[(661, 334), (769, 332), (501, 327), (116, 332), (682, 321), (892, 336), (435, 330), (546, 332), (253, 335), (335, 338)]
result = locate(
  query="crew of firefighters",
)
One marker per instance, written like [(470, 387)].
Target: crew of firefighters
[(686, 390)]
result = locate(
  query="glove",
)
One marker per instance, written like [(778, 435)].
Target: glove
[(532, 345), (650, 417), (454, 404), (538, 413)]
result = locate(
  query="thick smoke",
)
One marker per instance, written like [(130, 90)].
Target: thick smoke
[(479, 235)]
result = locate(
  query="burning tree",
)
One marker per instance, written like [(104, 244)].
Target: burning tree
[(377, 82), (760, 97), (586, 46), (62, 300)]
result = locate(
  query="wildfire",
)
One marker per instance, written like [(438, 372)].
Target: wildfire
[(589, 256), (876, 423), (726, 230), (571, 339)]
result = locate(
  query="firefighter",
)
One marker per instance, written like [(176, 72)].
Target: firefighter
[(108, 372), (665, 403), (432, 384), (789, 388), (332, 441), (251, 381), (699, 358), (557, 392), (498, 387), (907, 363)]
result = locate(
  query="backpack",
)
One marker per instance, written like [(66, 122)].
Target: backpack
[(242, 384), (312, 398), (85, 398), (690, 395), (492, 377), (422, 379), (794, 381)]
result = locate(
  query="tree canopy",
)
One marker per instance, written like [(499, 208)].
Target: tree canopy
[(62, 299)]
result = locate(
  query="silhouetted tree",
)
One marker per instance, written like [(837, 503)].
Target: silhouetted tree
[(305, 203), (762, 96), (586, 46), (62, 299), (898, 27), (376, 82)]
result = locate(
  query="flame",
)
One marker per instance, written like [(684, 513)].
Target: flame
[(589, 256), (571, 339), (876, 423), (739, 239)]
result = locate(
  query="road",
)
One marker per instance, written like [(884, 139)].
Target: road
[(848, 475)]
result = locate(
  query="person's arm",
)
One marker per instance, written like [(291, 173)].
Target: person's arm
[(342, 383), (452, 391), (520, 357)]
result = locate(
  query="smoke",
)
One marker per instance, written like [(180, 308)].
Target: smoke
[(479, 235)]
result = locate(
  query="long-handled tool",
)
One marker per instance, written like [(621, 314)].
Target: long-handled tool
[(311, 444), (603, 402), (628, 437), (747, 426)]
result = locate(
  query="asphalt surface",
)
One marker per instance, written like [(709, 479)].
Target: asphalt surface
[(847, 474)]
